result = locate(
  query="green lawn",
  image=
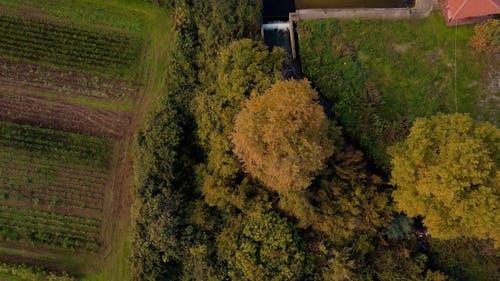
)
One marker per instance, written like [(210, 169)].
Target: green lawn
[(382, 74)]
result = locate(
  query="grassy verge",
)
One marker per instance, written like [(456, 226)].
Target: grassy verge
[(383, 74)]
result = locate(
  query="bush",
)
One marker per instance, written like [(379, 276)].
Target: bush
[(486, 36)]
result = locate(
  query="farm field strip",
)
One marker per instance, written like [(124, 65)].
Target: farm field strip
[(88, 13), (28, 161), (41, 191), (60, 115), (69, 192), (67, 46), (93, 200), (24, 74), (42, 227), (71, 77), (78, 185), (50, 198), (51, 224), (56, 145)]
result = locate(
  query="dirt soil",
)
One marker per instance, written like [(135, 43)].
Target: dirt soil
[(19, 106)]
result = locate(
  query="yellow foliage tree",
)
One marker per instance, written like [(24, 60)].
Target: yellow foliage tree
[(283, 137), (447, 171)]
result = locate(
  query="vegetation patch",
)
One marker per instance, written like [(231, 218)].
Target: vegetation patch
[(42, 41), (382, 75)]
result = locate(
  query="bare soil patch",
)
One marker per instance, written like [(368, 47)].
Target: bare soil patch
[(65, 82), (24, 108)]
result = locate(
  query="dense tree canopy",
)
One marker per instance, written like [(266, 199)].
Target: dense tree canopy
[(346, 199), (447, 171), (262, 248), (199, 216), (283, 137), (243, 67)]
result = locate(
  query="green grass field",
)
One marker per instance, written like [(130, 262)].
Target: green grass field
[(58, 188), (383, 74)]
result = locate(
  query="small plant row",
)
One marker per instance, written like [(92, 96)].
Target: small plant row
[(67, 46), (68, 229), (56, 145), (63, 31), (40, 182), (64, 57), (66, 82), (117, 53), (47, 238), (92, 176), (25, 176), (83, 222), (30, 273), (88, 178), (45, 195), (45, 228)]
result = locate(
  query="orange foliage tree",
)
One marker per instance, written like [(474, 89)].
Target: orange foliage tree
[(486, 36), (283, 137)]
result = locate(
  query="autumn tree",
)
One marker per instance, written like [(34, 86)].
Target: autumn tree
[(283, 137), (486, 36), (242, 68), (447, 171)]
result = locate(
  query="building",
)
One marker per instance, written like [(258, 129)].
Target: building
[(468, 11)]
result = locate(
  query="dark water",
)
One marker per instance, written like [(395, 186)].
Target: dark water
[(278, 9), (278, 38), (320, 4)]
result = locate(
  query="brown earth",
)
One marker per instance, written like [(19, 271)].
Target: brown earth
[(23, 108), (42, 78)]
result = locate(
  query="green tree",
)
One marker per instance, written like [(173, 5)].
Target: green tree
[(344, 199), (398, 263), (283, 137), (245, 66), (465, 259), (446, 171), (265, 248)]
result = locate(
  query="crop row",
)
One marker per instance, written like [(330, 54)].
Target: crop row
[(67, 46), (56, 145), (67, 82), (35, 52), (36, 234), (25, 161), (51, 198), (46, 38), (48, 228), (57, 225), (41, 26), (13, 176), (57, 219)]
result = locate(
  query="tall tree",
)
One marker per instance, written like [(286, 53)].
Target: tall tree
[(243, 67), (447, 171), (283, 137), (261, 248)]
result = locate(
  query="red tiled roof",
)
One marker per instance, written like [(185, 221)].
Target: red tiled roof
[(460, 9)]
